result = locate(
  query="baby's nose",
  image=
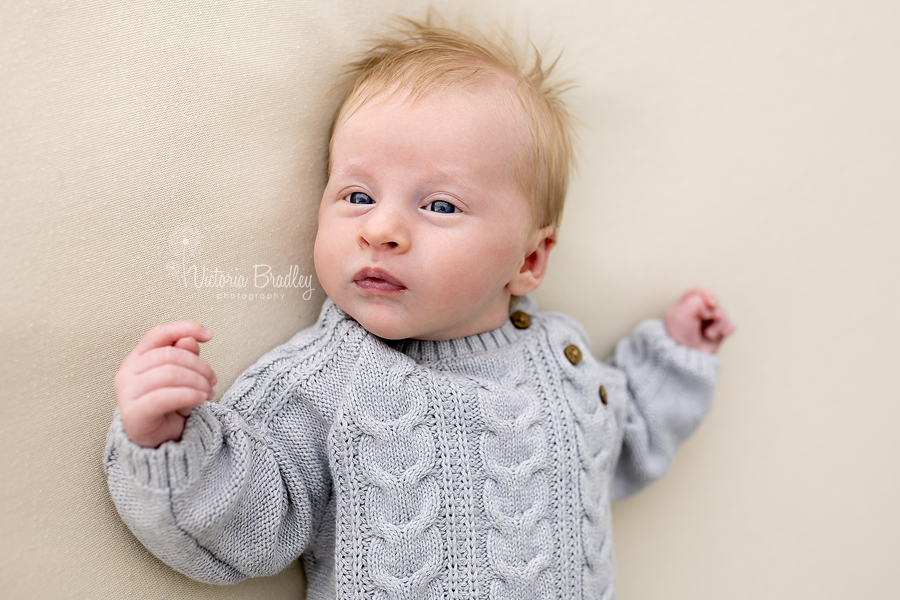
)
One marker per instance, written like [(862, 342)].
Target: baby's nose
[(385, 228)]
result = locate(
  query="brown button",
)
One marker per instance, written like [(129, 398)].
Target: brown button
[(520, 319), (603, 397), (573, 354)]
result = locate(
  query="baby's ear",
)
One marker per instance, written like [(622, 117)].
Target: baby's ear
[(534, 266)]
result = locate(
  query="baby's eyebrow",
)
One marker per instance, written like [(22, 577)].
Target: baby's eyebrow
[(449, 176), (436, 177), (351, 170)]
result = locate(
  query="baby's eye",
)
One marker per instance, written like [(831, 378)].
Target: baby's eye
[(441, 206), (359, 198)]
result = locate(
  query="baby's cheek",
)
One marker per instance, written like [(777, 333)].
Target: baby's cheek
[(466, 287), (327, 268)]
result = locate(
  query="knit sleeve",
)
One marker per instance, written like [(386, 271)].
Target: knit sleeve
[(670, 390), (239, 494)]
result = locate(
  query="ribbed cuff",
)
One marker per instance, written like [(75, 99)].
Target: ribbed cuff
[(701, 364), (171, 465)]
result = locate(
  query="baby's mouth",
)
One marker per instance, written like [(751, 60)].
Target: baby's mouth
[(377, 281)]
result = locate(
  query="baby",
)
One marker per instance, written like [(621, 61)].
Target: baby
[(432, 435)]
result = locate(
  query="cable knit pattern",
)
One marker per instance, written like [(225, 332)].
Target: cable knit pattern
[(481, 467)]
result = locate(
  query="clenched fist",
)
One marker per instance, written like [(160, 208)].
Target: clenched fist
[(697, 321)]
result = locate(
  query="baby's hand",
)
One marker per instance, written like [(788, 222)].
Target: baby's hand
[(159, 382), (697, 321)]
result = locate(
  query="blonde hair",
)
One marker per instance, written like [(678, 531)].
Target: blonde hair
[(420, 57)]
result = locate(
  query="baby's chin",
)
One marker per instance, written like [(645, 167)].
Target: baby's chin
[(388, 327), (385, 331), (394, 327)]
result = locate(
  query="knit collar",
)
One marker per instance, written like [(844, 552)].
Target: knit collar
[(426, 351)]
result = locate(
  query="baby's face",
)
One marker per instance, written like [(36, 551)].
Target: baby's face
[(422, 228)]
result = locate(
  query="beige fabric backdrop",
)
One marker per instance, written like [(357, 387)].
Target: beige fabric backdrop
[(752, 147)]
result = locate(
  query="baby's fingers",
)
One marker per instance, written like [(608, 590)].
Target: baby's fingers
[(719, 327), (171, 355), (167, 334), (189, 344), (159, 416), (162, 401), (169, 376), (703, 303)]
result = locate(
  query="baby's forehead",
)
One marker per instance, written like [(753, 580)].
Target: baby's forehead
[(492, 96)]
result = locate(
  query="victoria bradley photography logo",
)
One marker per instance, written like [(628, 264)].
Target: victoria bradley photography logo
[(253, 282)]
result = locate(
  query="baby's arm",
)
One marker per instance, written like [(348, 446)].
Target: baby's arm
[(671, 373), (231, 491), (159, 382)]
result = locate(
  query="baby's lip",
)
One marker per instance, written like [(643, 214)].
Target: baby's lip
[(377, 280)]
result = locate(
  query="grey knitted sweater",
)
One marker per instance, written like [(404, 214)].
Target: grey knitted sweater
[(480, 467)]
